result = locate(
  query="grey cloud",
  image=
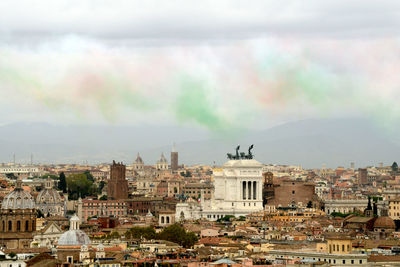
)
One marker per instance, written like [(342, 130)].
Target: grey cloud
[(199, 19)]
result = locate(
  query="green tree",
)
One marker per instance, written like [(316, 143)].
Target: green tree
[(62, 184), (89, 176), (79, 186), (395, 167), (177, 234), (101, 186), (141, 232), (226, 218), (114, 235), (11, 176), (103, 197)]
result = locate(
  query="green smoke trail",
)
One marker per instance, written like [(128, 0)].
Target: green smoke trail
[(193, 105)]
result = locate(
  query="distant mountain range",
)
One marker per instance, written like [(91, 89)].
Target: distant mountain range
[(310, 143)]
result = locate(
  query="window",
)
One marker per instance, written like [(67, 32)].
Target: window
[(344, 261), (352, 261), (18, 226), (9, 226), (293, 192), (342, 247)]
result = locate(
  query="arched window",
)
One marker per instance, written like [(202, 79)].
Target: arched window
[(167, 219), (162, 219), (9, 226), (18, 226), (26, 226), (4, 226)]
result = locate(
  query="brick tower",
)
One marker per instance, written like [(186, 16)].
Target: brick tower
[(174, 159), (117, 184)]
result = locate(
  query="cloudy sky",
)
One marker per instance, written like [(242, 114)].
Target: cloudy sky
[(216, 65)]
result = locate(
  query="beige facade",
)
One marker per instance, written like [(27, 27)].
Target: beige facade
[(394, 208)]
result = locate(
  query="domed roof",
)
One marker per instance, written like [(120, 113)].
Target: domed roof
[(74, 236), (139, 159), (162, 159), (384, 222), (18, 199), (48, 196)]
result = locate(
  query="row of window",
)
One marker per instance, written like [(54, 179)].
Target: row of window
[(337, 247), (214, 216), (334, 261), (196, 192), (19, 225), (103, 204), (91, 213)]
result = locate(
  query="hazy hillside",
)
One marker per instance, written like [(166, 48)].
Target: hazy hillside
[(309, 143)]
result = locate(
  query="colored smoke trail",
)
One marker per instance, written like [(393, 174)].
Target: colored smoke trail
[(221, 88), (192, 104)]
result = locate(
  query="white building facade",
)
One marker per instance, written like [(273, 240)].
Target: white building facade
[(238, 191)]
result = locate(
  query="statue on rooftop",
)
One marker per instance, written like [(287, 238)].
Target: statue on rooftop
[(241, 155), (237, 152), (250, 155)]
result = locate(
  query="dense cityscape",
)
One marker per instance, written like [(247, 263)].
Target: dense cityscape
[(242, 213), (187, 133)]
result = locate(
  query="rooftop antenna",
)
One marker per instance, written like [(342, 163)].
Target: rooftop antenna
[(14, 158), (31, 159)]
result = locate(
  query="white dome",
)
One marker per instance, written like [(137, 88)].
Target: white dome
[(74, 238), (18, 199)]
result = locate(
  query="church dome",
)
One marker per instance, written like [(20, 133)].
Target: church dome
[(162, 159), (139, 159), (384, 222), (74, 236), (48, 196), (18, 199)]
